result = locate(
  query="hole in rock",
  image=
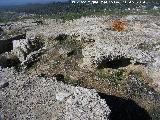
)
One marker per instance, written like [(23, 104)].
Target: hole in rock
[(71, 53), (39, 22), (9, 62), (1, 30), (7, 45), (18, 37), (123, 109), (61, 38), (42, 75), (6, 84), (115, 63), (59, 77)]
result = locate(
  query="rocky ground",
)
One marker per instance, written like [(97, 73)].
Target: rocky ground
[(41, 98), (81, 69)]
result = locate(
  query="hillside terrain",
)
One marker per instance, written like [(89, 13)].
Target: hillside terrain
[(69, 11)]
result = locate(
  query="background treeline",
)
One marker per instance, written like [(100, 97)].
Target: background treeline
[(67, 10)]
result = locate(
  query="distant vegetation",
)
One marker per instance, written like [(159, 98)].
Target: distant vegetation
[(71, 11)]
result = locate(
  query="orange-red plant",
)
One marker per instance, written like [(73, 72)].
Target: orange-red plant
[(117, 25)]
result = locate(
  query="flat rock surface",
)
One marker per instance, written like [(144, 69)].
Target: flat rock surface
[(31, 97)]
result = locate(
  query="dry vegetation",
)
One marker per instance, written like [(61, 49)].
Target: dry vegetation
[(117, 25)]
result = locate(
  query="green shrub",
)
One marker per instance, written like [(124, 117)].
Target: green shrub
[(114, 77)]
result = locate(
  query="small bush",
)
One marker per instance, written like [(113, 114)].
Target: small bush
[(61, 38), (117, 25), (145, 46), (136, 74), (40, 40), (114, 77)]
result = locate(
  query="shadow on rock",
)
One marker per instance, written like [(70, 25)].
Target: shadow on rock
[(9, 61), (115, 63), (122, 109)]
